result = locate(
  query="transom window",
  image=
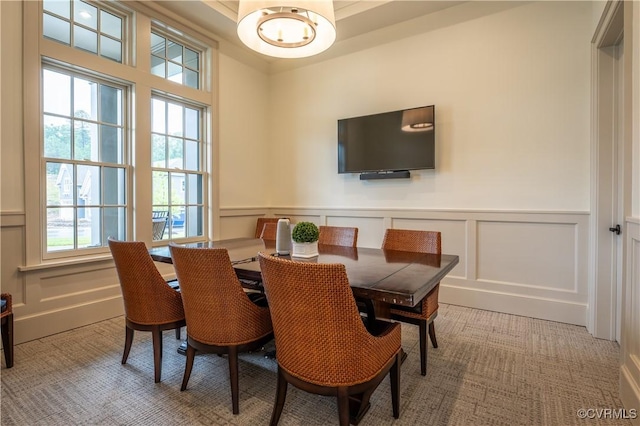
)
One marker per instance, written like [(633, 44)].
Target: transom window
[(174, 61), (176, 160), (84, 26), (84, 145)]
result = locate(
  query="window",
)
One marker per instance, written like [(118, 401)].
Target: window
[(176, 151), (84, 160), (174, 61), (83, 26)]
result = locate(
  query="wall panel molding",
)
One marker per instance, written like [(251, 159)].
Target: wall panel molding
[(531, 263)]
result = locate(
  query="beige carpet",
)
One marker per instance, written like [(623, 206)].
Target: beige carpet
[(490, 369)]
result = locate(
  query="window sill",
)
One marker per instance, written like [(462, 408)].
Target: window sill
[(63, 263)]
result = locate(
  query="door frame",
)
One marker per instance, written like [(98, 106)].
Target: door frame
[(606, 142)]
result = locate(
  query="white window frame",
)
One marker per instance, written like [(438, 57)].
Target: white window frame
[(134, 72)]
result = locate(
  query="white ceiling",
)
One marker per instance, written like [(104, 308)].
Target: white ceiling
[(353, 18)]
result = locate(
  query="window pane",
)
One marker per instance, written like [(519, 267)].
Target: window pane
[(110, 25), (85, 137), (111, 144), (60, 180), (160, 188), (194, 221), (114, 223), (57, 137), (158, 44), (56, 93), (85, 39), (191, 58), (85, 99), (114, 186), (158, 151), (158, 123), (176, 154), (192, 158), (174, 72), (174, 52), (190, 78), (177, 222), (59, 7), (60, 228), (110, 105), (88, 185), (56, 29), (174, 121), (158, 66), (89, 227), (110, 48), (192, 123), (85, 14), (178, 188), (194, 189)]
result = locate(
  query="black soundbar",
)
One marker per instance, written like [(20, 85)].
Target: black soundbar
[(395, 174)]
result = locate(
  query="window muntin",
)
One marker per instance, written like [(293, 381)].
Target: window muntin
[(84, 26), (177, 171), (83, 146), (174, 61)]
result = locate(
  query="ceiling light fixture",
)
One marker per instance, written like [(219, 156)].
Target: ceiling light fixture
[(417, 119), (293, 29)]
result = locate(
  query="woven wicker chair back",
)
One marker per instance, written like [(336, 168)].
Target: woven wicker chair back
[(147, 297), (319, 335), (269, 231), (338, 236), (411, 240), (260, 224), (217, 309)]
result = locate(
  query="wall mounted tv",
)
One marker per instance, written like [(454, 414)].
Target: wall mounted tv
[(387, 145)]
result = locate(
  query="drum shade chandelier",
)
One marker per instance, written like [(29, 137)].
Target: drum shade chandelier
[(287, 29)]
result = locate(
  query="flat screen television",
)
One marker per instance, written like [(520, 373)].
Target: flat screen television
[(395, 141)]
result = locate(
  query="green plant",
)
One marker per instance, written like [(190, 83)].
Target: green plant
[(305, 232)]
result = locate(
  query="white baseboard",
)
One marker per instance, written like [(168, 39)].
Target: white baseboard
[(547, 309), (31, 327), (630, 394)]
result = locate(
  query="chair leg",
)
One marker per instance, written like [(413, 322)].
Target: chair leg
[(432, 334), (233, 377), (128, 340), (423, 347), (191, 354), (343, 406), (7, 339), (281, 395), (178, 333), (156, 337), (395, 385)]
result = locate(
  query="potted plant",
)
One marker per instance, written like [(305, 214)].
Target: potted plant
[(305, 239)]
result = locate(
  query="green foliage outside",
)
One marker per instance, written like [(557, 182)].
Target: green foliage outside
[(305, 232)]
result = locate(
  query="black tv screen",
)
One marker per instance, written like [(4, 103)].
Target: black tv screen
[(390, 141)]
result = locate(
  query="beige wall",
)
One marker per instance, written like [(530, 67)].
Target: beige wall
[(512, 107)]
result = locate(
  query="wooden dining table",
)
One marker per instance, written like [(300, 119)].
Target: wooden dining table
[(388, 276), (378, 276)]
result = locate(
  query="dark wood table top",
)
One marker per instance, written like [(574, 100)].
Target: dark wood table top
[(402, 278)]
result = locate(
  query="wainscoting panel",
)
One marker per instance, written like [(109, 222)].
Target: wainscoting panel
[(630, 333), (524, 263)]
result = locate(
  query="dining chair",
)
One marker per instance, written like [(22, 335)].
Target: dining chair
[(6, 321), (423, 313), (221, 317), (160, 219), (338, 236), (149, 303), (260, 225), (322, 344), (269, 231)]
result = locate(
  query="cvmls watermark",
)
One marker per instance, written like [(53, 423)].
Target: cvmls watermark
[(607, 413)]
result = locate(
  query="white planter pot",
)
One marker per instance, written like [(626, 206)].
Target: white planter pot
[(304, 249)]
